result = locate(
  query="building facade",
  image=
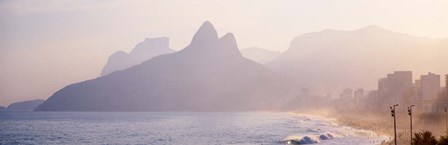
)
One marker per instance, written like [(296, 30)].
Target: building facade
[(428, 87), (393, 88)]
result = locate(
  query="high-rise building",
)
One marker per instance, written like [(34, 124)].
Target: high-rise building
[(359, 98), (345, 101), (347, 94), (358, 95), (446, 84), (372, 100), (392, 88), (430, 86), (445, 103), (416, 99), (429, 89)]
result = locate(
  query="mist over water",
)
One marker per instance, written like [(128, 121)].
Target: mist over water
[(143, 72), (162, 128)]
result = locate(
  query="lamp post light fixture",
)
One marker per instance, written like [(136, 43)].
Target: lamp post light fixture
[(392, 112), (410, 114)]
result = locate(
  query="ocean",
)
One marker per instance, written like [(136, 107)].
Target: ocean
[(184, 128)]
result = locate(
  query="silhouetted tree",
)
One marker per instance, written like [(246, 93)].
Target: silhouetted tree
[(424, 138), (443, 140)]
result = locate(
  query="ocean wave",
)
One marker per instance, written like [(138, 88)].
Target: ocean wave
[(308, 139)]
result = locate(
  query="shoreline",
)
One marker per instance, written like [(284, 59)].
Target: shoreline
[(381, 123), (382, 135), (367, 121), (379, 127)]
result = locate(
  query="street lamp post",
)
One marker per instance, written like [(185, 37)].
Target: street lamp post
[(446, 119), (392, 111), (410, 114)]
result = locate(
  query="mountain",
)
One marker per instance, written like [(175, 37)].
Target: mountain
[(24, 105), (2, 108), (259, 55), (143, 51), (331, 60), (208, 75)]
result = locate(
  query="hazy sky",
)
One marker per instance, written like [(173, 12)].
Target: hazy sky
[(48, 44)]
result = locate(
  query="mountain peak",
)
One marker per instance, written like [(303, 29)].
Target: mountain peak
[(207, 24), (229, 38), (205, 36), (228, 44), (143, 51), (159, 42)]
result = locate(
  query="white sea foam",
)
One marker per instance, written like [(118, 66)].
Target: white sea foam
[(327, 131)]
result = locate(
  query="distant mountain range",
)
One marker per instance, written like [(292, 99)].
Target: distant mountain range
[(210, 74), (331, 60), (143, 51), (29, 105), (259, 55)]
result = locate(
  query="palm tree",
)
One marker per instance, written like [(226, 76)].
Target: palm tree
[(424, 138), (443, 140)]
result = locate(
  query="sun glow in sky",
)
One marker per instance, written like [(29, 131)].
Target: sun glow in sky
[(46, 45)]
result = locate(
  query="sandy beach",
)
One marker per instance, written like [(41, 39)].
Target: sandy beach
[(382, 123)]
